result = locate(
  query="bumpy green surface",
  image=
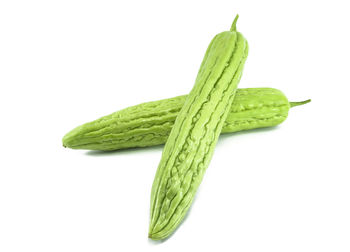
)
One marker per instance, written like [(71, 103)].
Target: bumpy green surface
[(192, 140), (149, 124)]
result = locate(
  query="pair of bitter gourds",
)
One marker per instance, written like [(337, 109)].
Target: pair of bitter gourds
[(189, 126)]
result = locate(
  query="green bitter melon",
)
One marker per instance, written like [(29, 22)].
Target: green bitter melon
[(150, 123), (192, 140)]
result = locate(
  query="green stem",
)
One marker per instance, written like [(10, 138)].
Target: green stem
[(233, 26), (293, 104)]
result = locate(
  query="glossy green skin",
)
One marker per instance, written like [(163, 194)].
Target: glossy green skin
[(150, 123), (192, 140)]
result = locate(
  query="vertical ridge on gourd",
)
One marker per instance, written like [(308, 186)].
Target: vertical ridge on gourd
[(192, 140), (150, 123)]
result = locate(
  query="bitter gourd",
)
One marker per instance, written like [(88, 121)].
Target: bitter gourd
[(149, 124), (192, 140)]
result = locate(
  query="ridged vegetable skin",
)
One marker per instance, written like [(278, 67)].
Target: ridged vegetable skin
[(150, 123), (192, 140)]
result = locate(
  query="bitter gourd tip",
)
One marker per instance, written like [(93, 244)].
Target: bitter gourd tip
[(233, 26), (66, 142), (293, 104), (69, 140), (151, 236)]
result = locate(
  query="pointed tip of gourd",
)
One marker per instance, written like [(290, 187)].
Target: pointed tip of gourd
[(154, 235), (150, 233), (233, 26), (65, 142), (151, 236), (68, 140), (294, 104)]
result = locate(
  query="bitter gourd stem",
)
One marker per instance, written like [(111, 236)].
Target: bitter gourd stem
[(233, 26), (293, 104)]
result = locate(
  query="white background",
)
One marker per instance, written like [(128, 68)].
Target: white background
[(63, 63)]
